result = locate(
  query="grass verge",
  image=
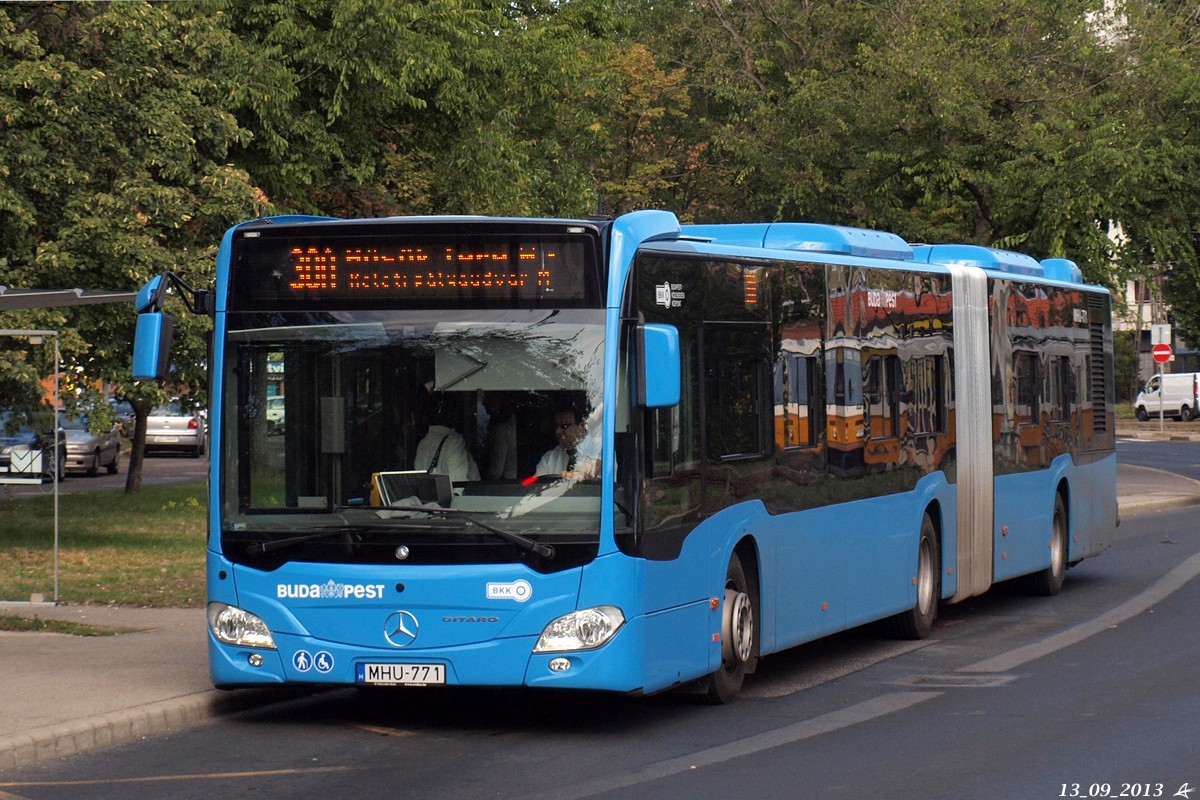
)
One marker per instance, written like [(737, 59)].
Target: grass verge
[(12, 622), (114, 549)]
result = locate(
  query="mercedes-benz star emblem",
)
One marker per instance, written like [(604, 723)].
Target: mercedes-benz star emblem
[(401, 628)]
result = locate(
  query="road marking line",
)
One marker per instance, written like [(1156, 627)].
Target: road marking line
[(266, 773), (955, 681), (377, 729), (1162, 588), (826, 723)]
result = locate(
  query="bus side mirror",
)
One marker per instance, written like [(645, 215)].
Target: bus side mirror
[(151, 296), (658, 366), (152, 346)]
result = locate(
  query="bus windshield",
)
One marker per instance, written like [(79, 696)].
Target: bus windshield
[(350, 420)]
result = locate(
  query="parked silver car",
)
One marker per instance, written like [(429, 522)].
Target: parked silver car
[(88, 451), (171, 427)]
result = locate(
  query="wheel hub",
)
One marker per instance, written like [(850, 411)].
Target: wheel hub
[(737, 628)]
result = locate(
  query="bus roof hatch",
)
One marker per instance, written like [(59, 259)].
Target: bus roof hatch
[(974, 255), (809, 237)]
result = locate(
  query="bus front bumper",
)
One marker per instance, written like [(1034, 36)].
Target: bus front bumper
[(503, 662)]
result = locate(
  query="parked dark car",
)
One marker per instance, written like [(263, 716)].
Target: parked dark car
[(123, 411), (25, 453)]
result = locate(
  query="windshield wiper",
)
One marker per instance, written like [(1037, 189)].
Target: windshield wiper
[(524, 542), (280, 544)]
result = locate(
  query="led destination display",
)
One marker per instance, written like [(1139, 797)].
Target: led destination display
[(275, 270), (421, 269)]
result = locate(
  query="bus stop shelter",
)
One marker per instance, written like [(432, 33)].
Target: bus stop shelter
[(12, 299)]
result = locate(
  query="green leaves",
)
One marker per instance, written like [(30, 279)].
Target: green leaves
[(133, 134)]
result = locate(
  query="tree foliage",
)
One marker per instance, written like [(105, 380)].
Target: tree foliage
[(116, 159), (133, 134)]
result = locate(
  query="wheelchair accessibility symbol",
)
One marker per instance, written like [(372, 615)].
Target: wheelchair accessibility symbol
[(323, 661)]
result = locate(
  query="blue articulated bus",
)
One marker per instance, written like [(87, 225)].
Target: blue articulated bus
[(627, 454)]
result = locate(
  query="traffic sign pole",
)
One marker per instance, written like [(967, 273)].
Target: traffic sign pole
[(1162, 417), (1162, 354)]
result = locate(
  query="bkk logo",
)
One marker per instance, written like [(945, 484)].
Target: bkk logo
[(331, 590), (517, 590)]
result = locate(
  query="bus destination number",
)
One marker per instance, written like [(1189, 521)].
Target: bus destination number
[(401, 674)]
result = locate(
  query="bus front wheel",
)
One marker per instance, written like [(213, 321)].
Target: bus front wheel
[(739, 630), (917, 622)]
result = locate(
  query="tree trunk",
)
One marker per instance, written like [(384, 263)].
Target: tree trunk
[(137, 446)]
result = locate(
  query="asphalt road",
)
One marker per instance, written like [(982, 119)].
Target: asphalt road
[(1091, 693), (157, 469), (1179, 457)]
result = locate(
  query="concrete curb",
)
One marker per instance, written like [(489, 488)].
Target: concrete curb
[(1133, 508), (57, 741), (1150, 501), (47, 744)]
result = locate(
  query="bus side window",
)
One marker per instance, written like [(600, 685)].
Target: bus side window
[(736, 374), (795, 379), (1025, 371), (1059, 395), (881, 396), (929, 395)]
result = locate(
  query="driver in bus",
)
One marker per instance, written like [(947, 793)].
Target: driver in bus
[(565, 460)]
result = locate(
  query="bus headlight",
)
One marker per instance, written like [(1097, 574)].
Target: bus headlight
[(232, 625), (581, 630)]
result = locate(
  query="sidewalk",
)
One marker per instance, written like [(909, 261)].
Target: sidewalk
[(64, 694)]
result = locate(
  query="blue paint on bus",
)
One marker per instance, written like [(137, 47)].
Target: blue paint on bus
[(808, 480)]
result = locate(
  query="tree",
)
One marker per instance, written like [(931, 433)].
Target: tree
[(1008, 124), (115, 156), (377, 107), (1161, 46)]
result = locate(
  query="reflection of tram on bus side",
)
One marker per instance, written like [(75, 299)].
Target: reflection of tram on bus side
[(888, 402), (1040, 357), (844, 406), (797, 390)]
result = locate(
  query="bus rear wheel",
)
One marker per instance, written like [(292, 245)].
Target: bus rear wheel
[(739, 631), (917, 622), (1050, 580)]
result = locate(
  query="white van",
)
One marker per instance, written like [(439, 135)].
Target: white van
[(1179, 393)]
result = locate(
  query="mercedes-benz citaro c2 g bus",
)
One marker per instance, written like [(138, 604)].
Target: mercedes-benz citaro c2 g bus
[(628, 455)]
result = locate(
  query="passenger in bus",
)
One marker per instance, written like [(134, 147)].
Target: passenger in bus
[(565, 460), (444, 450), (501, 437)]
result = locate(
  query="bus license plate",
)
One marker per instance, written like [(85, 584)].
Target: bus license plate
[(401, 674)]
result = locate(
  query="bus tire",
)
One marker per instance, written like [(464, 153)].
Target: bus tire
[(917, 622), (1050, 580), (739, 636)]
